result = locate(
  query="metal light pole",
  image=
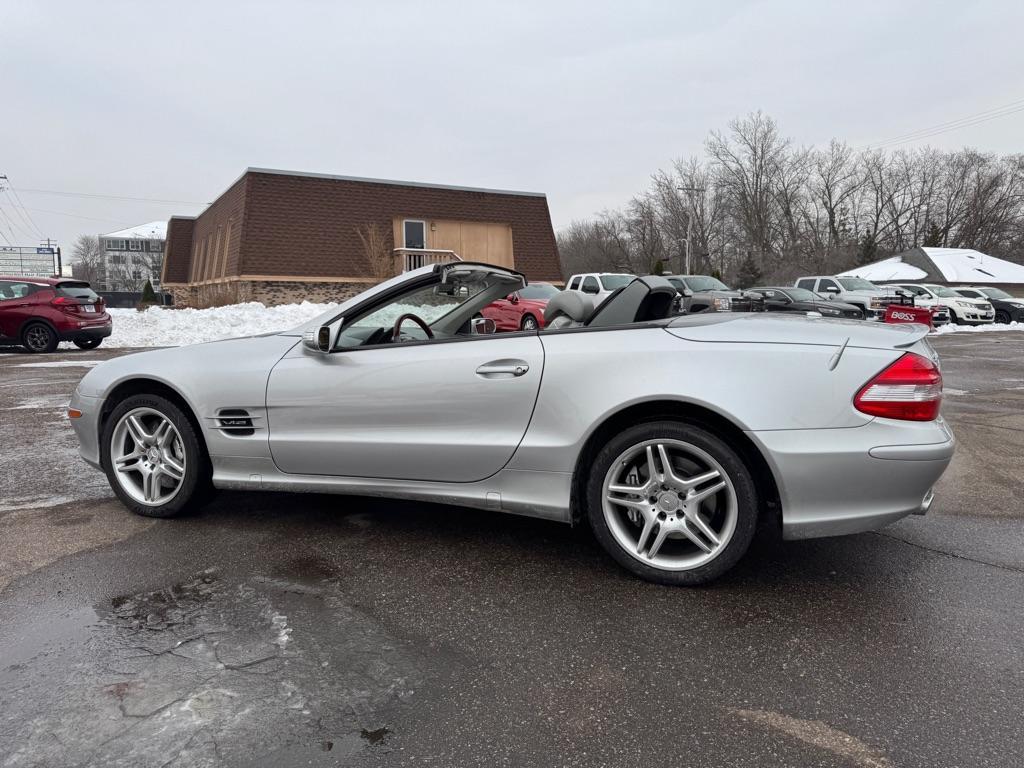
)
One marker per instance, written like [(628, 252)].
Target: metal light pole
[(689, 223)]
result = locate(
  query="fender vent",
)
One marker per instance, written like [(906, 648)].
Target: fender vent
[(235, 421)]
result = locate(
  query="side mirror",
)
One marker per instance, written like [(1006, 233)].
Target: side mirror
[(322, 339), (513, 298), (483, 326), (832, 291), (686, 293)]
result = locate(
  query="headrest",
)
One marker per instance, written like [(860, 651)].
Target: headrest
[(573, 304)]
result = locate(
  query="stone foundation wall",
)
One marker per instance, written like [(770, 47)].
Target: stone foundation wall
[(269, 292)]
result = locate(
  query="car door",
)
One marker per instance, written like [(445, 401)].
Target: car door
[(451, 411), (16, 306)]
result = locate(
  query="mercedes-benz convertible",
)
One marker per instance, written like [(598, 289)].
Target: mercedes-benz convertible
[(672, 436)]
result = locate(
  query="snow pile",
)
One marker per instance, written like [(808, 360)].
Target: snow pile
[(953, 328), (163, 327)]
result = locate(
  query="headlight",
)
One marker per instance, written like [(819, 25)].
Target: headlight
[(965, 304), (723, 305)]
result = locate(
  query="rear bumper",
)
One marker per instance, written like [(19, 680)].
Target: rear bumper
[(93, 331), (839, 481)]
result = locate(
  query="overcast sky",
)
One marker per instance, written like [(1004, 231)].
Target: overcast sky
[(580, 100)]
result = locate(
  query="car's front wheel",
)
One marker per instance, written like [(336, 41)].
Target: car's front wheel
[(1002, 316), (672, 502), (153, 458)]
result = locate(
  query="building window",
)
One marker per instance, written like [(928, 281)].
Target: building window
[(415, 233), (117, 258), (115, 245), (135, 245), (156, 246)]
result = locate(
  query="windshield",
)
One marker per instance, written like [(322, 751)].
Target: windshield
[(856, 284), (802, 294), (698, 283), (612, 282), (946, 293), (541, 291), (995, 293)]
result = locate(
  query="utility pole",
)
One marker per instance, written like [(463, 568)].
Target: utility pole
[(689, 223)]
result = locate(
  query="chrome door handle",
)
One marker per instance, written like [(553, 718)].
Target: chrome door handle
[(503, 369)]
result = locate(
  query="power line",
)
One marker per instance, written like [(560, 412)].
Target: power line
[(79, 216), (951, 125), (97, 195), (12, 225), (18, 198)]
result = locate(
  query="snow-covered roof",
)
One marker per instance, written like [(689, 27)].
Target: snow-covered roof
[(154, 230), (893, 268), (965, 265)]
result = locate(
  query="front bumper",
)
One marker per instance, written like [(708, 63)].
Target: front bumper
[(87, 427), (839, 481)]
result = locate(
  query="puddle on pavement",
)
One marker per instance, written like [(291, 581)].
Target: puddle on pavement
[(205, 672)]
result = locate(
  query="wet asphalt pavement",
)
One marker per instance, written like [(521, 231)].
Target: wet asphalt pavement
[(311, 630)]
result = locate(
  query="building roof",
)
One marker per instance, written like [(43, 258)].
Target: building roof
[(942, 265), (154, 230)]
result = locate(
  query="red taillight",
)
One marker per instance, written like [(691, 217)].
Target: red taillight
[(909, 389), (64, 304)]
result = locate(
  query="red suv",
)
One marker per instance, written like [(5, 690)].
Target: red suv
[(41, 312)]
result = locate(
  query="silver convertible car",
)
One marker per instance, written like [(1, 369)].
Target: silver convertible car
[(672, 436)]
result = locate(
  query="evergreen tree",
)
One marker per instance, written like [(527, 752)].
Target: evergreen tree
[(867, 249), (659, 268), (934, 237), (749, 273), (148, 294)]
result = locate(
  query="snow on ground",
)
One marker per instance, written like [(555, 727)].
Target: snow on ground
[(163, 327), (951, 328)]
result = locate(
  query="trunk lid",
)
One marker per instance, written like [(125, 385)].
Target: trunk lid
[(772, 328)]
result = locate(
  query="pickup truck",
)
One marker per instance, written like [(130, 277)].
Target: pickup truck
[(871, 299), (598, 285), (703, 293)]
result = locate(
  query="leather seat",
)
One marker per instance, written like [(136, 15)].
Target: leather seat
[(569, 309)]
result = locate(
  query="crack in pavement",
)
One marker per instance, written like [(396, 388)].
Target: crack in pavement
[(1001, 566)]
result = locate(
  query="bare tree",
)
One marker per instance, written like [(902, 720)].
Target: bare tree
[(377, 249), (87, 259)]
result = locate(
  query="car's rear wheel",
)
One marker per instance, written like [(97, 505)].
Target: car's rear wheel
[(672, 503), (39, 337), (87, 343), (528, 323), (153, 458)]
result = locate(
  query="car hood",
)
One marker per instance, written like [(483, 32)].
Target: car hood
[(184, 367), (780, 328)]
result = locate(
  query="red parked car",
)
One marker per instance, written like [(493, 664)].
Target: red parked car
[(40, 312), (522, 310)]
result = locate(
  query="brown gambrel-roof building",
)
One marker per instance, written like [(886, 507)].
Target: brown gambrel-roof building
[(279, 237)]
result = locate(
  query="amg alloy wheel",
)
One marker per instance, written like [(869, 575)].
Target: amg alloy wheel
[(39, 337), (672, 503), (152, 456)]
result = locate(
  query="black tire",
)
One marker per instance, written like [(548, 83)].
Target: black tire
[(1003, 316), (87, 343), (38, 337), (742, 482), (196, 487), (528, 323), (954, 319)]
